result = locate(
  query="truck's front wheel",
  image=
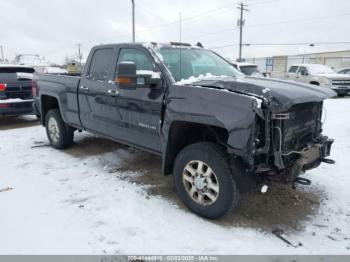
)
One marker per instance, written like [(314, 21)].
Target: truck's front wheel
[(203, 180), (59, 134)]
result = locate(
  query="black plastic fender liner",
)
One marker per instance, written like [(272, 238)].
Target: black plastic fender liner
[(246, 180)]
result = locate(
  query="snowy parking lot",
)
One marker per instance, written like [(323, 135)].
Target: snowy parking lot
[(103, 197)]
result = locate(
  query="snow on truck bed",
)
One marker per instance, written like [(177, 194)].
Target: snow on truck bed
[(102, 197)]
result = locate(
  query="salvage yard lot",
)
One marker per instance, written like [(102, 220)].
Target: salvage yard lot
[(103, 197)]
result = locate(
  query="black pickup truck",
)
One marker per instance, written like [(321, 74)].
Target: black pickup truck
[(219, 133), (16, 90)]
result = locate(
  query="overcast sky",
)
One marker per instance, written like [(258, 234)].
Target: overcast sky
[(52, 28)]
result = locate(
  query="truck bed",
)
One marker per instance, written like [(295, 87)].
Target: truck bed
[(64, 89), (66, 80)]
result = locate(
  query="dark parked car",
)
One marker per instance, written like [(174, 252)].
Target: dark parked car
[(16, 90), (219, 133)]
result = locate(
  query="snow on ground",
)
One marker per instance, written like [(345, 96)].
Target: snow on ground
[(84, 201)]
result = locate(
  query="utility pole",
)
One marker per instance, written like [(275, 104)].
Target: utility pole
[(240, 23), (2, 54), (133, 20), (79, 54)]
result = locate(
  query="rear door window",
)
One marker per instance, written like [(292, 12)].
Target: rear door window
[(102, 64)]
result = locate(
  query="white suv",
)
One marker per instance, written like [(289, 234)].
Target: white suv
[(322, 75), (248, 69)]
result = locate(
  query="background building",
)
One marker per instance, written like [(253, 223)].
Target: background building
[(279, 65)]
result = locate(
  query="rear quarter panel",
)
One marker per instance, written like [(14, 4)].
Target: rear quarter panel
[(64, 89)]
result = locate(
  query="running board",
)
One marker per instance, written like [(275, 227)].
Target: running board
[(328, 161)]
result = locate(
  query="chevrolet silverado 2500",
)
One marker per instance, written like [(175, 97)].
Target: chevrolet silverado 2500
[(320, 75), (218, 132)]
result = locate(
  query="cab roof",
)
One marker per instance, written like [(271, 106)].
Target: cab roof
[(158, 44)]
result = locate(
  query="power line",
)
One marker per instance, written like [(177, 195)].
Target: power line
[(301, 20), (262, 2), (190, 18), (274, 23), (186, 20)]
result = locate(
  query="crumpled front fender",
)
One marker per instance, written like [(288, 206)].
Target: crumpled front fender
[(236, 113)]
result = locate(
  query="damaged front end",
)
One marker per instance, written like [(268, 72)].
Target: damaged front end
[(274, 127), (296, 143), (286, 139)]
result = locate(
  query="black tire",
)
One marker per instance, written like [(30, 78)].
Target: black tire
[(216, 158), (65, 132)]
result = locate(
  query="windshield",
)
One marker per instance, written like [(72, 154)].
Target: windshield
[(320, 69), (195, 62)]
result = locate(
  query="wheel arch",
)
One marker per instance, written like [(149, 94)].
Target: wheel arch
[(195, 132), (48, 102), (314, 83)]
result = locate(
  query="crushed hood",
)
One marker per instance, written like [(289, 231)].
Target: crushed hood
[(278, 94)]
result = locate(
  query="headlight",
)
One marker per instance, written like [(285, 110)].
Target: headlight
[(325, 81)]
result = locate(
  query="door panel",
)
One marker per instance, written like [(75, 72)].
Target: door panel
[(141, 108), (292, 73), (302, 77), (98, 105), (98, 109), (140, 111)]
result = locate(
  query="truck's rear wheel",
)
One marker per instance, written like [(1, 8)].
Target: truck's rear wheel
[(59, 134), (203, 180)]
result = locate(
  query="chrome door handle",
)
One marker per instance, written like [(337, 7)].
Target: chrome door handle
[(113, 92)]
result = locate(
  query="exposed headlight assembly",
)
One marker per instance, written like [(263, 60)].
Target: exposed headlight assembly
[(325, 81)]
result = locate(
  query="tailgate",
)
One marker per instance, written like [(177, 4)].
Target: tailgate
[(16, 82), (20, 89)]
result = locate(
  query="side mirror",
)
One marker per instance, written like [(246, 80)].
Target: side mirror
[(129, 78), (126, 75)]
